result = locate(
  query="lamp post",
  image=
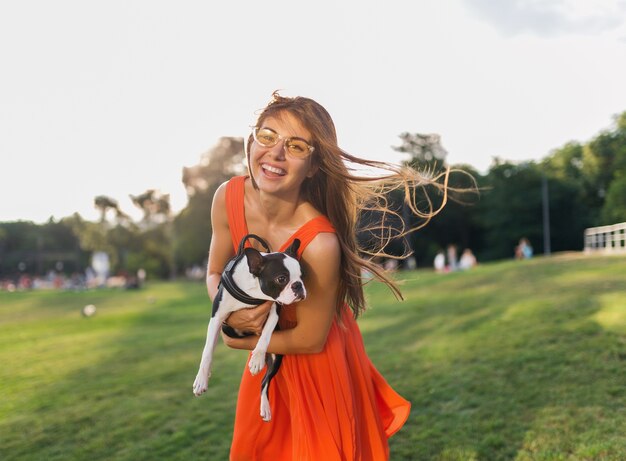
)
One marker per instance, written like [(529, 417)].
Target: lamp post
[(546, 215)]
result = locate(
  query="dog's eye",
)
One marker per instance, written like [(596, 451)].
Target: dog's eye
[(281, 279)]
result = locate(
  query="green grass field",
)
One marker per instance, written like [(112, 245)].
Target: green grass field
[(511, 361)]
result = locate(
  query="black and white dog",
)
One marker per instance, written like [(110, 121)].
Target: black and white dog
[(249, 279)]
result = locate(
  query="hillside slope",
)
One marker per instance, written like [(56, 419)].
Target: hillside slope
[(510, 361)]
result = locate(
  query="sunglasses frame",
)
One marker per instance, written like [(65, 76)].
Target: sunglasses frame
[(285, 139)]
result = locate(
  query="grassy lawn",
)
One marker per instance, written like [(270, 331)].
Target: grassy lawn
[(511, 361)]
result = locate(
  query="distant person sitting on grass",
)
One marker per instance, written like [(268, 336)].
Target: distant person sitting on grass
[(468, 260), (440, 262), (453, 263), (523, 250)]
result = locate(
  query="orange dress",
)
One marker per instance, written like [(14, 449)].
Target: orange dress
[(330, 406)]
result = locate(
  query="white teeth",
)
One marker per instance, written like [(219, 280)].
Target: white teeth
[(273, 169)]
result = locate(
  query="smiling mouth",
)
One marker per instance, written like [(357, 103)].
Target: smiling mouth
[(273, 169)]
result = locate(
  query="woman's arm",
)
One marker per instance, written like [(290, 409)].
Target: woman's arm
[(221, 249), (315, 314)]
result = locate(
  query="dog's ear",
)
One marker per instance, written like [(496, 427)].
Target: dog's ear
[(255, 261), (293, 248)]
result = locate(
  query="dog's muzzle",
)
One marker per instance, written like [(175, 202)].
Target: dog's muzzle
[(298, 291)]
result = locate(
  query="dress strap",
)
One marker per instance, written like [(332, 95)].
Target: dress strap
[(307, 233), (288, 317)]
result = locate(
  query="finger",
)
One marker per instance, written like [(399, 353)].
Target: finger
[(265, 307), (260, 312)]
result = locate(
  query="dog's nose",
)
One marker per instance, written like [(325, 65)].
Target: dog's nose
[(297, 288)]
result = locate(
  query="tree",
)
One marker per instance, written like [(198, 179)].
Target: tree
[(511, 208), (192, 226), (425, 150), (218, 164), (614, 206), (92, 237), (38, 248), (566, 163), (457, 223), (155, 206), (614, 209), (158, 236), (594, 174), (104, 204), (604, 160)]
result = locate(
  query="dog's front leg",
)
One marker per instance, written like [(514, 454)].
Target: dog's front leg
[(257, 360), (201, 383)]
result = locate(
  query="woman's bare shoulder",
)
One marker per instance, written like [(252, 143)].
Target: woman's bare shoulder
[(323, 249), (218, 207)]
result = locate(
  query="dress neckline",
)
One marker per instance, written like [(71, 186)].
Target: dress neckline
[(301, 232), (294, 234)]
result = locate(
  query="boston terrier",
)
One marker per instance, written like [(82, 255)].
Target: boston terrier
[(249, 279)]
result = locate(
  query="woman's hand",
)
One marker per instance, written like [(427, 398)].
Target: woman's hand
[(250, 320)]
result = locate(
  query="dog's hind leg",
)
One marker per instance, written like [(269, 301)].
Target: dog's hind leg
[(273, 364), (257, 359)]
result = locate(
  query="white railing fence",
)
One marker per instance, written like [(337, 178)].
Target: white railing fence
[(609, 239)]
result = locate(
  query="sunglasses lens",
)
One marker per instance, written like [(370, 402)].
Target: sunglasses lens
[(266, 137), (297, 148), (269, 138)]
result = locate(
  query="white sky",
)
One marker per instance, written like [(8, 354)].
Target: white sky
[(116, 97)]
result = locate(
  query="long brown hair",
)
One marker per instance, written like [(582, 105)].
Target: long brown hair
[(341, 194)]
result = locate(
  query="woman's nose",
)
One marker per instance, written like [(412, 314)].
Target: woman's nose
[(278, 151)]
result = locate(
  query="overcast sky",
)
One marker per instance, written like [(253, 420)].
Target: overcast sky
[(116, 97)]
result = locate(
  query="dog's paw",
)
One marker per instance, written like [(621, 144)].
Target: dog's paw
[(266, 412), (201, 384), (257, 362)]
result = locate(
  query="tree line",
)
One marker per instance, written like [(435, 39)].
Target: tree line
[(586, 186)]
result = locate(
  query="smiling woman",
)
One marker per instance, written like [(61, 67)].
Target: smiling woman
[(328, 400), (273, 156)]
